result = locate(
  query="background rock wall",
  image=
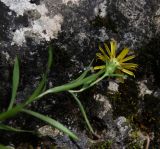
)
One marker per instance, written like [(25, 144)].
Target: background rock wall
[(75, 28)]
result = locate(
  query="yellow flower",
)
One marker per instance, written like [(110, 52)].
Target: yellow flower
[(119, 61)]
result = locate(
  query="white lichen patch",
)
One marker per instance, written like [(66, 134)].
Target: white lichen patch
[(113, 86), (5, 53), (106, 106), (47, 28), (41, 28), (18, 37), (100, 10), (72, 1), (157, 20), (81, 37), (143, 89), (19, 6), (49, 131), (44, 28), (157, 93), (103, 36), (123, 126)]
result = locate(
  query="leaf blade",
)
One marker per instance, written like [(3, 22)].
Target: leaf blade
[(50, 58), (9, 128), (15, 83), (3, 147), (11, 112), (37, 91), (52, 122), (83, 112)]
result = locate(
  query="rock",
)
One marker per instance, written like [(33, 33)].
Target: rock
[(134, 21), (124, 136), (123, 128), (156, 94), (113, 86), (48, 131), (104, 108), (102, 111), (70, 21), (74, 28), (10, 147), (144, 89), (119, 131), (61, 140)]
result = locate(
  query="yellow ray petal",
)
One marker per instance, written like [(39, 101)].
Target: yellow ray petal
[(128, 72), (122, 54), (129, 65), (105, 55), (127, 58), (107, 49), (129, 68), (99, 67), (101, 57), (113, 48)]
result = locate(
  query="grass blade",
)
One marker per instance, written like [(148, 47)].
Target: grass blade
[(83, 75), (50, 58), (11, 112), (49, 64), (15, 82), (9, 128), (3, 147), (69, 86), (38, 90), (82, 111), (52, 122), (42, 84)]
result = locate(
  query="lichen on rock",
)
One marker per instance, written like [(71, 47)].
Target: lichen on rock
[(44, 27)]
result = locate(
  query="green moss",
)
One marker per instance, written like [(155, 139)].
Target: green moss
[(126, 101), (135, 146), (137, 142), (53, 147)]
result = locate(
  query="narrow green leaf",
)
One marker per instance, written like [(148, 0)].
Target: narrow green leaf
[(9, 128), (38, 90), (3, 147), (83, 75), (49, 64), (82, 111), (69, 86), (11, 112), (50, 58), (117, 75), (52, 122), (41, 87), (15, 82)]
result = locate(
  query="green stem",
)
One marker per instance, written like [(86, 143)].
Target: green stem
[(68, 86), (95, 82), (82, 111)]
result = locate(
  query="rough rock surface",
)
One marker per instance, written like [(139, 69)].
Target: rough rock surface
[(74, 23), (74, 28)]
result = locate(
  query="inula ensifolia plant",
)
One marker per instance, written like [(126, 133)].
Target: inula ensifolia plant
[(114, 66)]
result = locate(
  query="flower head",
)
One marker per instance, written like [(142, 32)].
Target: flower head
[(118, 61)]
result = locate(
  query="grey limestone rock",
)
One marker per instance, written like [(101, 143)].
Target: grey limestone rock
[(74, 28)]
